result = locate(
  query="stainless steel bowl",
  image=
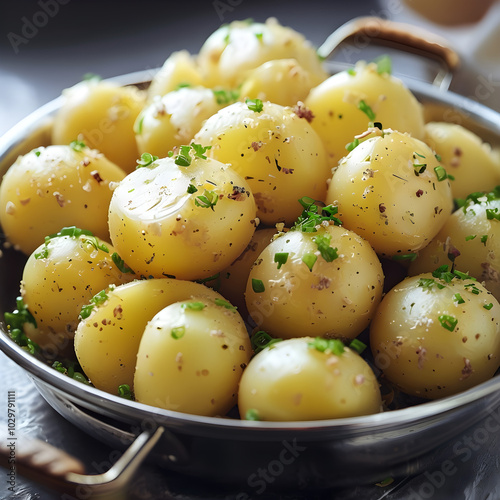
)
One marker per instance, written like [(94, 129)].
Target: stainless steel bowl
[(297, 455)]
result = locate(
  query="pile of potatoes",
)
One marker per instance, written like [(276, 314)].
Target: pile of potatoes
[(247, 190)]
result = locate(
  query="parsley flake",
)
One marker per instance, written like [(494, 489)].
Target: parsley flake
[(254, 105), (362, 106)]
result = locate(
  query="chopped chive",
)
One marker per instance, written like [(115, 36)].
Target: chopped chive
[(280, 258), (120, 263), (488, 306), (258, 286), (484, 238), (309, 259), (261, 339), (77, 145), (207, 200), (362, 106), (351, 145), (146, 160), (254, 105), (193, 306), (351, 71), (335, 346), (440, 173), (448, 322), (125, 392), (458, 298), (384, 64), (327, 252), (183, 159), (252, 414), (492, 213), (225, 303), (178, 332), (357, 345), (225, 96), (470, 237)]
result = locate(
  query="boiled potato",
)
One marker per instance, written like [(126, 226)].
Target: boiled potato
[(465, 156), (282, 81), (471, 239), (179, 69), (186, 216), (102, 114), (277, 152), (53, 187), (393, 192), (191, 358), (348, 101), (437, 334), (60, 277), (107, 339), (324, 283), (303, 379), (233, 50), (232, 281), (173, 119)]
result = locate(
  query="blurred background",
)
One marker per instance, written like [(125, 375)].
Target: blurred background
[(49, 45)]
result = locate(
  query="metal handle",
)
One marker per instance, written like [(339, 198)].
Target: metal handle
[(49, 466), (411, 38)]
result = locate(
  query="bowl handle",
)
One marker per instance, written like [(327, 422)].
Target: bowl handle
[(53, 468), (406, 36)]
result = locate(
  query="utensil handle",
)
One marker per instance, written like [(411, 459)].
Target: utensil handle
[(54, 468), (408, 37)]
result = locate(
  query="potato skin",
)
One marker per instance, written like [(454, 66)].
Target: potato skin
[(191, 360), (233, 50), (106, 343), (275, 150), (420, 348), (291, 381), (173, 119), (471, 239), (102, 114), (298, 301), (282, 81), (380, 197), (465, 156), (59, 278), (338, 118), (53, 187)]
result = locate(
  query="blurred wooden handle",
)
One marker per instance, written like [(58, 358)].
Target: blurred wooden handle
[(410, 37)]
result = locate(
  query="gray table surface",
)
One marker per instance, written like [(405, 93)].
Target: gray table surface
[(111, 38)]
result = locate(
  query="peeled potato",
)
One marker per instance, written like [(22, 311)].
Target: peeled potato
[(191, 358), (102, 114), (345, 103), (107, 341), (293, 380), (53, 187)]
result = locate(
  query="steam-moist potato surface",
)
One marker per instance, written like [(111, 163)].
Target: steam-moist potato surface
[(341, 106), (275, 150), (53, 187), (471, 239), (465, 156), (162, 228), (233, 50), (101, 114), (433, 337), (392, 191), (293, 381), (107, 341), (191, 358), (60, 277), (333, 299)]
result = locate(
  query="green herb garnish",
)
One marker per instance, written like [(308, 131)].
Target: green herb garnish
[(254, 105), (258, 285), (260, 340), (334, 346), (448, 322), (146, 160), (280, 258), (120, 263), (323, 243), (193, 306), (125, 392), (178, 332), (362, 106), (77, 145), (207, 200)]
